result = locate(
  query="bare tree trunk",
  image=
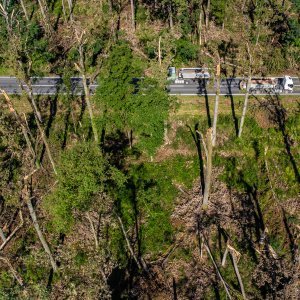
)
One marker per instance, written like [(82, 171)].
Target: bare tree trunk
[(217, 269), (208, 168), (132, 14), (15, 274), (247, 92), (2, 235), (44, 12), (207, 14), (70, 4), (200, 23), (24, 10), (86, 87), (245, 106), (140, 263), (93, 230), (19, 120), (170, 16), (159, 50), (27, 198), (224, 257), (216, 108), (234, 255), (14, 231)]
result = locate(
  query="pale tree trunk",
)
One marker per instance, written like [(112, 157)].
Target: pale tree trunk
[(208, 172), (86, 88), (207, 14), (132, 14), (93, 230), (170, 16), (44, 12), (70, 4), (159, 50), (2, 235), (140, 263), (245, 105), (7, 239), (235, 254), (216, 108), (216, 268), (27, 198), (247, 92), (15, 274), (24, 10), (38, 119), (200, 23), (19, 121)]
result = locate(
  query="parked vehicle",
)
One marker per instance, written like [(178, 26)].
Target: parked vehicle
[(269, 85)]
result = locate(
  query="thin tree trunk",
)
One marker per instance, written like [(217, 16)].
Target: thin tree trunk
[(171, 16), (15, 274), (33, 216), (132, 14), (24, 10), (245, 106), (86, 88), (44, 12), (224, 257), (70, 4), (217, 269), (19, 120), (208, 168), (93, 230), (216, 108), (141, 264), (159, 50), (14, 232), (207, 14), (234, 253), (200, 23), (2, 235)]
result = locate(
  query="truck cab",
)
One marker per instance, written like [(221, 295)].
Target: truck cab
[(287, 84)]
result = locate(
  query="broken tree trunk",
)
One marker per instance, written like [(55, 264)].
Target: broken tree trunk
[(140, 263), (27, 198), (235, 258), (86, 87), (216, 268), (24, 10), (15, 274), (216, 108), (208, 172), (132, 14), (245, 105), (19, 121), (14, 232)]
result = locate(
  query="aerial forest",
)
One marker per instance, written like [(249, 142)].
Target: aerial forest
[(123, 189)]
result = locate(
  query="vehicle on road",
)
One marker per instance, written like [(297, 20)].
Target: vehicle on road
[(269, 85), (188, 75)]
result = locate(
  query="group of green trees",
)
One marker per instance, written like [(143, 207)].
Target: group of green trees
[(86, 195)]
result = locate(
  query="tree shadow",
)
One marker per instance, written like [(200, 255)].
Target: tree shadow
[(207, 106), (197, 139), (278, 115)]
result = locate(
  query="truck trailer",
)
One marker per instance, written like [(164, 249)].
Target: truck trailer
[(269, 85), (188, 75)]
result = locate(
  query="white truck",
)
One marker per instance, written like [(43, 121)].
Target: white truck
[(188, 75), (269, 85)]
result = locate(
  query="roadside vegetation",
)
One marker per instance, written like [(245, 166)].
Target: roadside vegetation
[(129, 192)]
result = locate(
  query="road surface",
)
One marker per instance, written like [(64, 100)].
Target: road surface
[(54, 85)]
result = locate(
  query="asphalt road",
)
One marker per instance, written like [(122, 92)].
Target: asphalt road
[(54, 85)]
